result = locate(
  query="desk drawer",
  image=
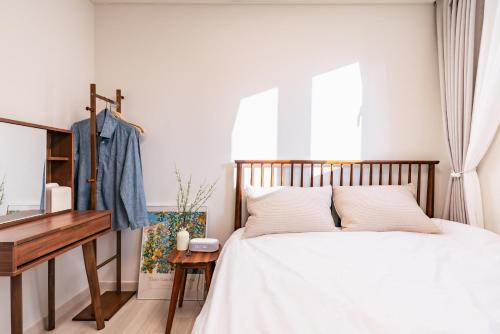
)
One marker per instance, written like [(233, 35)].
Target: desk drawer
[(36, 248)]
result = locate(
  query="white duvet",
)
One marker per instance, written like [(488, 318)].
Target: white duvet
[(357, 282)]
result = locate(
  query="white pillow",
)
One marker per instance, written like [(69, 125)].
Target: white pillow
[(380, 208), (288, 210)]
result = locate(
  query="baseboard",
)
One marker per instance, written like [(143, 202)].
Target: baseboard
[(67, 310), (63, 312)]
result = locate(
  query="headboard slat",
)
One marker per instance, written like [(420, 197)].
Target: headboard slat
[(429, 204), (302, 175), (399, 174), (390, 174), (380, 170), (251, 174), (281, 175), (312, 175), (341, 174), (331, 174), (419, 174), (272, 175), (351, 167), (361, 174), (371, 174), (321, 177)]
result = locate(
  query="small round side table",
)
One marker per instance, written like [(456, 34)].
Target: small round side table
[(182, 262)]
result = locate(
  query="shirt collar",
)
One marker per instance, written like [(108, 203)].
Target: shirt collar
[(106, 124)]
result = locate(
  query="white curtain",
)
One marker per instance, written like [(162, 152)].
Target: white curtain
[(486, 110), (457, 45)]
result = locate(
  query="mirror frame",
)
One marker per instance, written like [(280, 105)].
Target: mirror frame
[(59, 159)]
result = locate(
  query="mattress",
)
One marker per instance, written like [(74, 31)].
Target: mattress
[(357, 282)]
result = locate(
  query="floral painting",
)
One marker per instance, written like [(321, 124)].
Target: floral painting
[(158, 240)]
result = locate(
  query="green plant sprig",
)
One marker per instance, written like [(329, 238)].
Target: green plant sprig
[(186, 208)]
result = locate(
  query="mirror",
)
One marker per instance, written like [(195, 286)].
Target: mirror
[(22, 171)]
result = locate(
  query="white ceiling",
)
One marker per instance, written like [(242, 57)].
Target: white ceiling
[(273, 2)]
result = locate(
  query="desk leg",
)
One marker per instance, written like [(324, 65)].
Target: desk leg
[(52, 294), (178, 276), (16, 304), (95, 293)]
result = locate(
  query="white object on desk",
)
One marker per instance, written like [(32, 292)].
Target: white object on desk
[(57, 198), (204, 245), (182, 240)]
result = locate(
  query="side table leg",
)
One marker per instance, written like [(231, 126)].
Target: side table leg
[(179, 274), (208, 276), (183, 287)]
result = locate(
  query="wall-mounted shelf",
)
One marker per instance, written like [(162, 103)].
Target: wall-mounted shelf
[(59, 166), (59, 148)]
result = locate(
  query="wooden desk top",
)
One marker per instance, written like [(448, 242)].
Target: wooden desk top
[(196, 258), (24, 232), (25, 245)]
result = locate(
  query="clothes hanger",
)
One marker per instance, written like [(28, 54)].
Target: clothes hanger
[(120, 117), (138, 127)]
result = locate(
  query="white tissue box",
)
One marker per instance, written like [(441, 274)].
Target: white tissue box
[(203, 245), (57, 198)]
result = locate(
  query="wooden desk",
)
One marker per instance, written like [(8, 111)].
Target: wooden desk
[(25, 245)]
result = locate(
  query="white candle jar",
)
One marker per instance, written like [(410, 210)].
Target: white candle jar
[(182, 240)]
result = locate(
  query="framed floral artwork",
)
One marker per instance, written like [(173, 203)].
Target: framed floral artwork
[(158, 240)]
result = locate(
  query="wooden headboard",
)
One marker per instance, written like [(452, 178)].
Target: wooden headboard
[(311, 173)]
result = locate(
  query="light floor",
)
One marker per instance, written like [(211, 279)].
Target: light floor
[(138, 316)]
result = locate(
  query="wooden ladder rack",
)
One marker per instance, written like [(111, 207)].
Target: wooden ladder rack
[(111, 301)]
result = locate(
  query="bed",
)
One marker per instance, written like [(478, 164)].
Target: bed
[(354, 282)]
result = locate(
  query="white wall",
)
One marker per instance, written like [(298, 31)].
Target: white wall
[(198, 78), (489, 177), (46, 64)]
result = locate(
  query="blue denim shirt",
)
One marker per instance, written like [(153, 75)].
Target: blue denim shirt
[(120, 186)]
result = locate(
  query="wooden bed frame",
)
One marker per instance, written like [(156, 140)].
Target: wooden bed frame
[(335, 172)]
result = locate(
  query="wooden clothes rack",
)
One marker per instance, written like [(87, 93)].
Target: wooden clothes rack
[(111, 301)]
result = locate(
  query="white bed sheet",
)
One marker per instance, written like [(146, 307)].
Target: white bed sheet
[(357, 282)]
